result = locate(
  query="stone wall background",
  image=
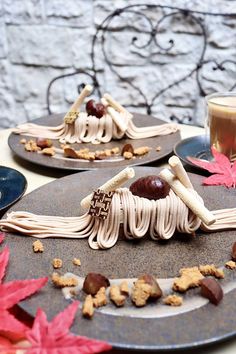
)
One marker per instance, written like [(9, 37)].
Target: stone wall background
[(41, 39)]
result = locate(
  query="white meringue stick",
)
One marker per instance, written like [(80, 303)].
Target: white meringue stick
[(178, 169), (188, 198), (111, 185), (117, 119), (72, 114), (116, 105)]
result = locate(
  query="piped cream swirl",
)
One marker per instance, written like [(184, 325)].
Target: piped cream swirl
[(161, 218)]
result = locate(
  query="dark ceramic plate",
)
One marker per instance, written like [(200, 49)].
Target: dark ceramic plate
[(196, 146), (166, 143), (155, 327), (12, 186)]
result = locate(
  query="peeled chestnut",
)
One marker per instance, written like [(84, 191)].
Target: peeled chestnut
[(93, 282), (150, 187), (43, 143), (95, 109)]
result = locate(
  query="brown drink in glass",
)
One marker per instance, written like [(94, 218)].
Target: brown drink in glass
[(222, 122)]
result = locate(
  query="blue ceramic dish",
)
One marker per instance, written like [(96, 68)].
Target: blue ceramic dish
[(12, 186), (196, 146)]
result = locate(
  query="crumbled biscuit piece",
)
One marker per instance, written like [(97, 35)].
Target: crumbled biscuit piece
[(62, 281), (230, 265), (90, 156), (124, 288), (100, 298), (23, 141), (141, 150), (141, 292), (173, 300), (57, 263), (115, 150), (83, 151), (31, 146), (128, 155), (158, 148), (77, 262), (48, 151), (116, 296), (189, 278), (107, 152), (70, 152), (38, 246), (88, 309), (210, 269)]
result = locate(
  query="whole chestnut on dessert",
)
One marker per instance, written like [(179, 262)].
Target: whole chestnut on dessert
[(95, 109), (91, 107), (150, 187)]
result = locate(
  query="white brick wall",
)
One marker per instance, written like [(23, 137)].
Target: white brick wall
[(40, 39)]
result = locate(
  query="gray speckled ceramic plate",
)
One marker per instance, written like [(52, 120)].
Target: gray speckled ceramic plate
[(166, 143), (156, 327)]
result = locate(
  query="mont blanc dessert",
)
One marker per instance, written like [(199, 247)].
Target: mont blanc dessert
[(99, 123), (155, 205)]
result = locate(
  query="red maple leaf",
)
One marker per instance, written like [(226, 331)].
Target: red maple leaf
[(224, 173), (54, 337), (11, 293)]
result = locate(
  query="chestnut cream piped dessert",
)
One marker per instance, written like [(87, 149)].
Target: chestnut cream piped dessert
[(157, 205), (100, 123)]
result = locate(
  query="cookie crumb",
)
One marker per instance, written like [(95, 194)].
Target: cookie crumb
[(158, 148), (88, 309), (77, 262), (173, 300), (124, 288), (100, 298), (23, 141), (116, 295), (141, 292), (62, 281), (127, 155), (57, 263), (230, 265), (189, 278), (38, 246), (210, 269), (48, 151), (31, 146), (141, 150)]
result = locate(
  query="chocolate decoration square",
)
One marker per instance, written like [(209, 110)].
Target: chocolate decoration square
[(100, 204)]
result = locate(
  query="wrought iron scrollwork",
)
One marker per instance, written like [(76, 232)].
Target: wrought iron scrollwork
[(197, 18)]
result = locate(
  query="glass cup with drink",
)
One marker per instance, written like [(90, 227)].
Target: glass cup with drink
[(222, 122)]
